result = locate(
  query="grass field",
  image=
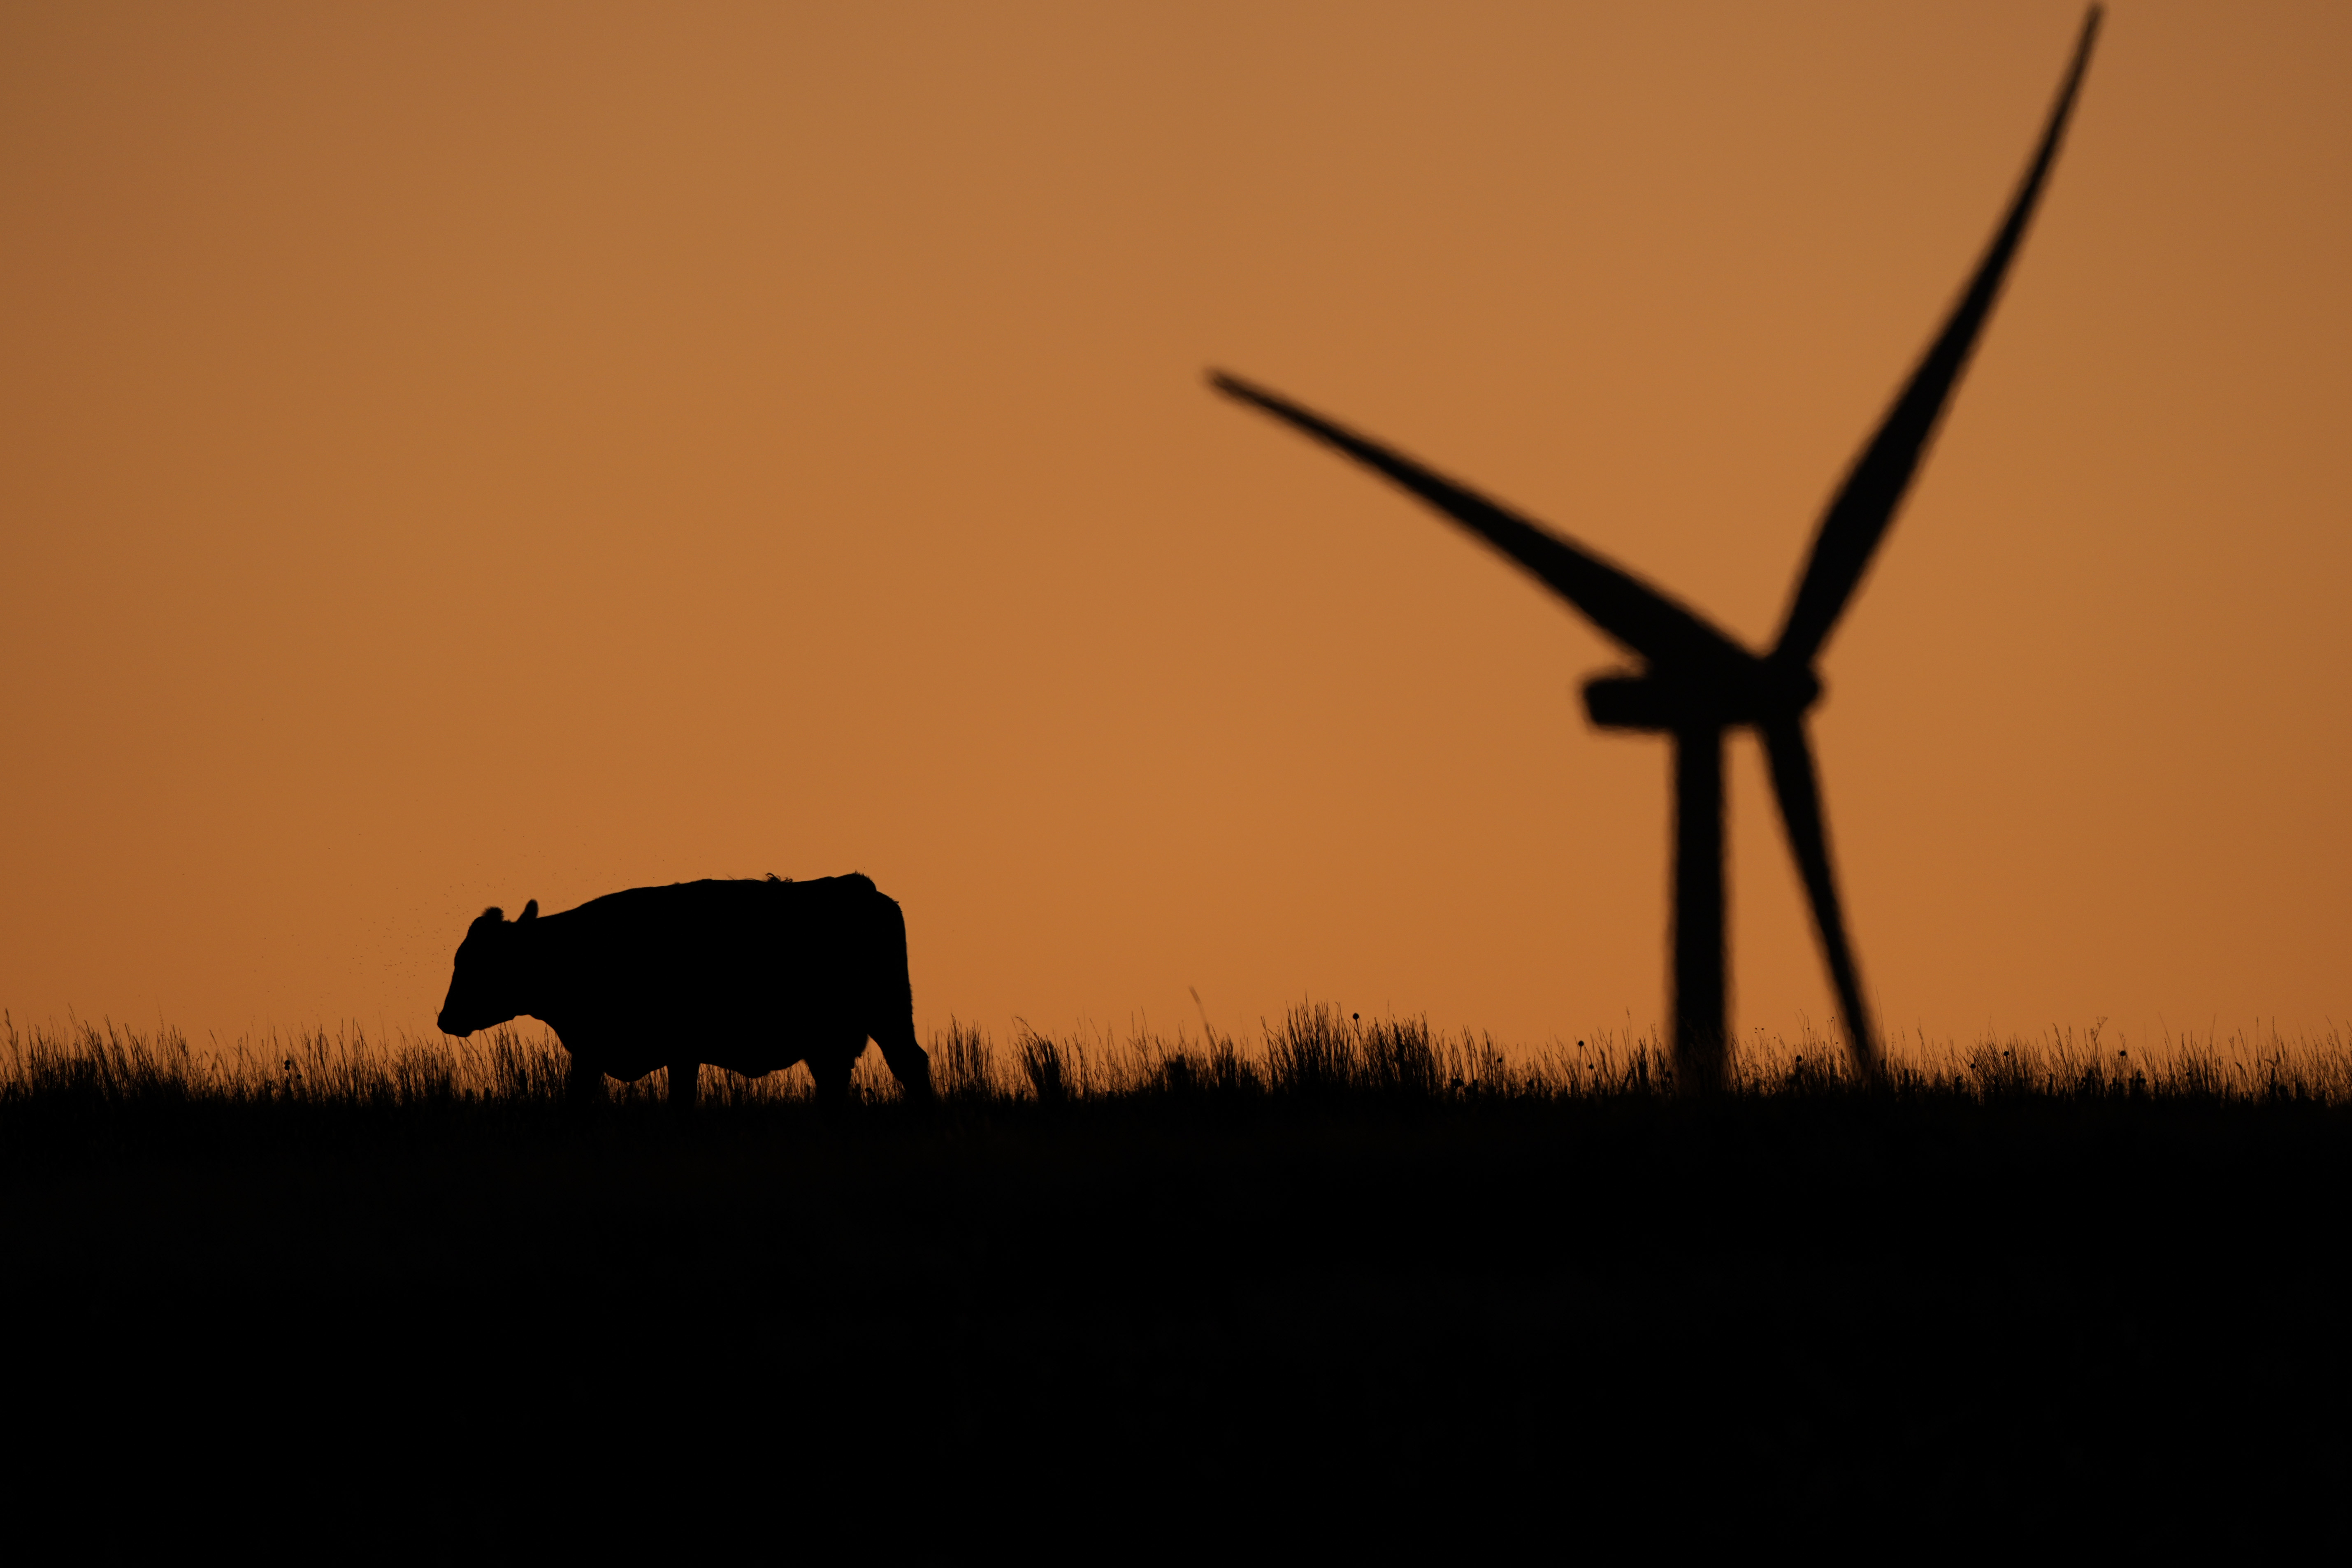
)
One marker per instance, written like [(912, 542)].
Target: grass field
[(1316, 1053), (1348, 1273)]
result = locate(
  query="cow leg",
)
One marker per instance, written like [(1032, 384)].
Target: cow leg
[(683, 1085), (585, 1083), (910, 1063), (831, 1071)]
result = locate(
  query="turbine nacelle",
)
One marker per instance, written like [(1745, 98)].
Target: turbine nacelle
[(1760, 692)]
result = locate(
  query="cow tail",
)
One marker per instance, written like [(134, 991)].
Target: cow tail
[(898, 988), (893, 1028)]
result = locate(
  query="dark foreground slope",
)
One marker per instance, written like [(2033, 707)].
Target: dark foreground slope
[(1365, 1304)]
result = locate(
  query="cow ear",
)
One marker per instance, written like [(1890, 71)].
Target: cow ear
[(530, 913), (490, 916)]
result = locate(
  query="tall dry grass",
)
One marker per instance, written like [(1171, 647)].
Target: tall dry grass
[(1315, 1054)]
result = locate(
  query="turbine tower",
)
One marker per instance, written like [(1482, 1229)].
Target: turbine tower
[(1695, 681)]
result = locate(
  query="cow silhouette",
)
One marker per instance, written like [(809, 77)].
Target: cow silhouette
[(749, 976)]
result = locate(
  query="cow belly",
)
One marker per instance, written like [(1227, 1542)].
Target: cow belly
[(629, 1045)]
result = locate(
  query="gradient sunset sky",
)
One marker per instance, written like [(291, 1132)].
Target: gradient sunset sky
[(457, 455)]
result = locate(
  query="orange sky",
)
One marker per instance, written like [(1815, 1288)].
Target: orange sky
[(459, 455)]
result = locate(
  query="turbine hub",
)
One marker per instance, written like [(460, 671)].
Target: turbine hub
[(1656, 699)]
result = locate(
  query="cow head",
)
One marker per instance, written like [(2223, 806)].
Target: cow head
[(484, 989)]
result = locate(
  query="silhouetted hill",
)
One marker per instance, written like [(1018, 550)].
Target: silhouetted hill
[(1357, 1297)]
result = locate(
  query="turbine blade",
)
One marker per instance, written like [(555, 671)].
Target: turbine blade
[(1799, 793), (1858, 519), (1620, 603)]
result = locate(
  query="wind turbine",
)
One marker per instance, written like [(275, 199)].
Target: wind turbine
[(1695, 681)]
